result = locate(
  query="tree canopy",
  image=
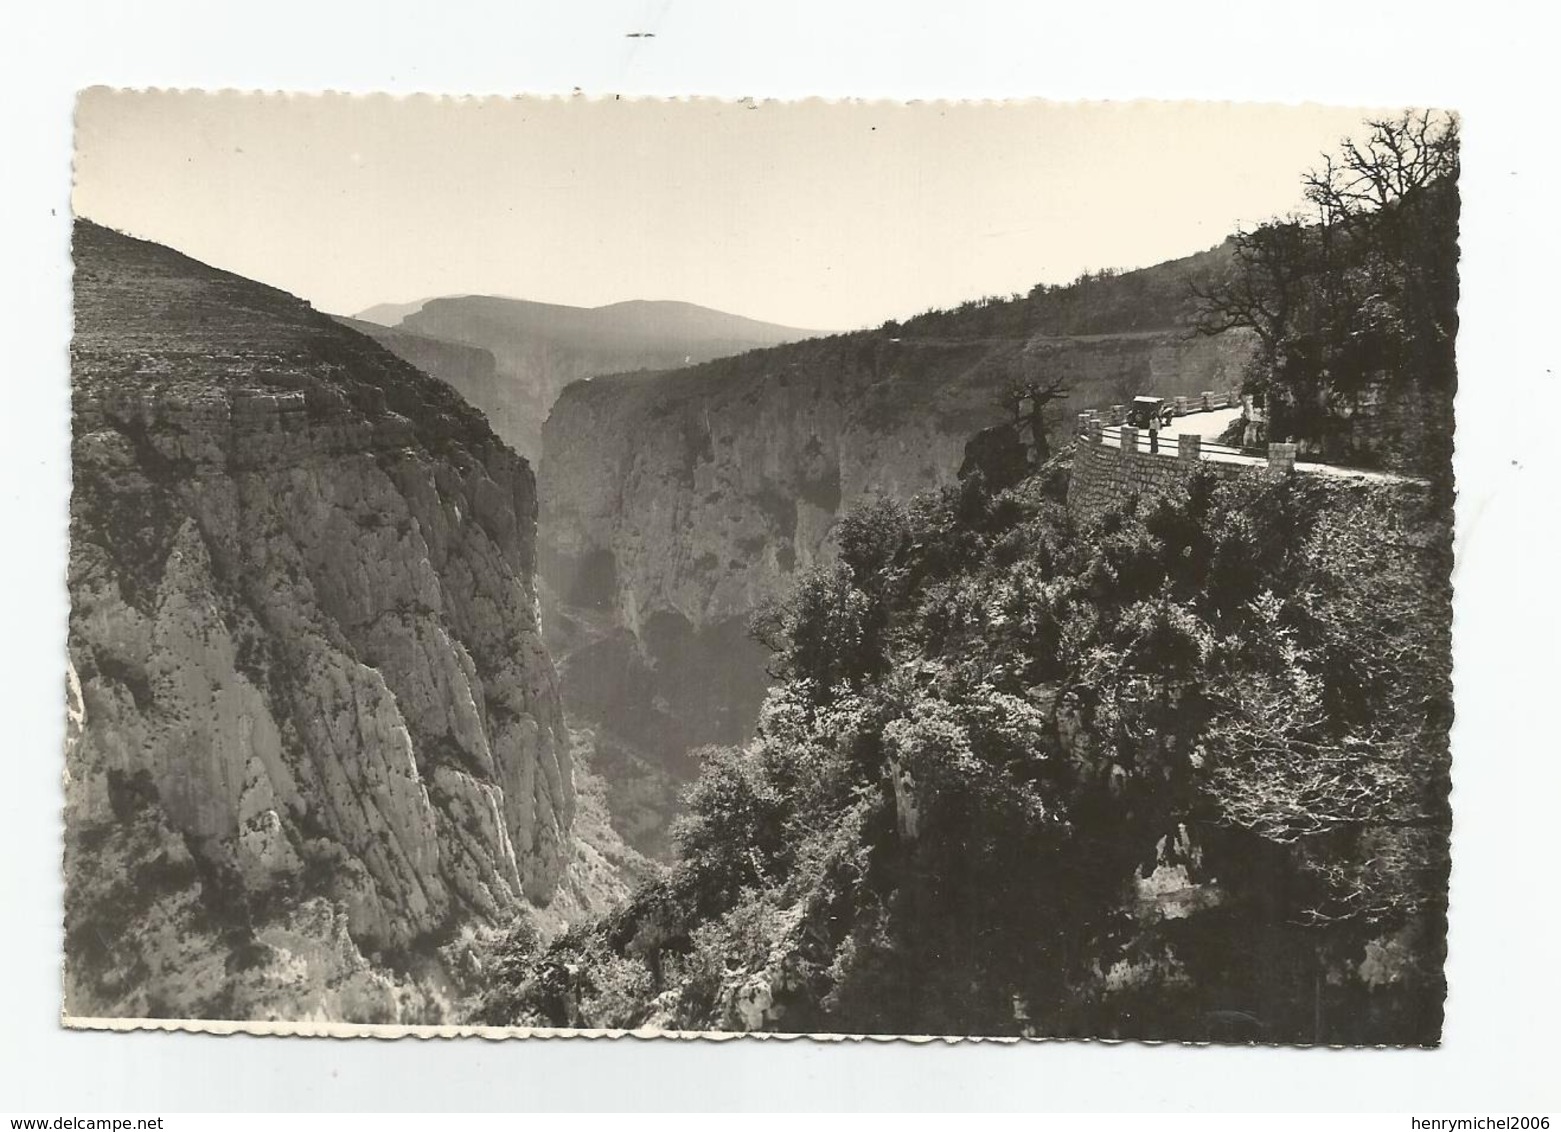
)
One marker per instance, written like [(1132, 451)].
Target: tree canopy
[(1354, 299), (994, 727)]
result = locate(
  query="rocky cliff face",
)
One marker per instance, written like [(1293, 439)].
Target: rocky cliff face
[(674, 506), (469, 370), (316, 739)]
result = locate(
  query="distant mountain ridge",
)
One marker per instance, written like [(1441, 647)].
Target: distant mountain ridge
[(538, 348), (388, 314), (654, 318)]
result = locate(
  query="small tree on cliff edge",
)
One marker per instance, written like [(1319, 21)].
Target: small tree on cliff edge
[(1025, 399), (1362, 287)]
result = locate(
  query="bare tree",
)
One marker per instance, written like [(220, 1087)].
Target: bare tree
[(1271, 263), (1025, 399), (1361, 288)]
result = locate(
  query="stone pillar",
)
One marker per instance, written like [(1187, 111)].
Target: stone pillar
[(1129, 439), (1181, 406), (1093, 431), (1207, 397), (1118, 414), (1083, 424), (1189, 447), (1281, 459)]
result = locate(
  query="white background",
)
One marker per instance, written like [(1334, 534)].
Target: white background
[(1492, 61)]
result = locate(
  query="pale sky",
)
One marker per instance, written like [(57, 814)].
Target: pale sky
[(814, 215)]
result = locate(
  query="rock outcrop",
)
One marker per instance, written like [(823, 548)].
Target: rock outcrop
[(315, 734), (470, 370)]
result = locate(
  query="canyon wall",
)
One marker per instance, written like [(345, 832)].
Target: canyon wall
[(316, 740), (674, 506), (702, 492)]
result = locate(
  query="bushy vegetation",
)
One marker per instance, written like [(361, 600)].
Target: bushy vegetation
[(1106, 301), (992, 723)]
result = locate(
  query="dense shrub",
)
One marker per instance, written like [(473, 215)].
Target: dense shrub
[(990, 723)]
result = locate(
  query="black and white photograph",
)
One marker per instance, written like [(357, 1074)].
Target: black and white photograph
[(718, 566)]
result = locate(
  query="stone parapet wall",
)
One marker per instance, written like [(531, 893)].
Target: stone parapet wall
[(1105, 476), (1180, 404)]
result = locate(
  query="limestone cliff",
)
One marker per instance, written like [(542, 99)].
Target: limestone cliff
[(672, 507), (316, 739)]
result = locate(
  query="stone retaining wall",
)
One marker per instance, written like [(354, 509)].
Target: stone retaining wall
[(1105, 475)]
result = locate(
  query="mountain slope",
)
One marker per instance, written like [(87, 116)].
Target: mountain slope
[(316, 743), (675, 504), (538, 348)]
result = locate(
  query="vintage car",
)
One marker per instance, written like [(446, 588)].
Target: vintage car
[(1144, 410)]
